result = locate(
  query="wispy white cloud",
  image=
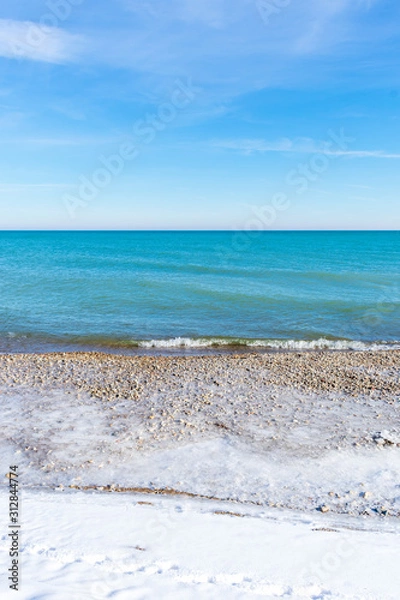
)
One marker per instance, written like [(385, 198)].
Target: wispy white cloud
[(328, 23), (209, 12), (212, 13), (251, 146), (32, 41), (226, 47), (17, 187), (359, 186), (11, 118), (365, 154), (68, 110), (62, 141), (295, 146)]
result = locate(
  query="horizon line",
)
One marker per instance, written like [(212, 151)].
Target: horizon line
[(183, 230)]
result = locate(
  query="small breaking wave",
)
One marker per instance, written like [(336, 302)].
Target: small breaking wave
[(319, 344)]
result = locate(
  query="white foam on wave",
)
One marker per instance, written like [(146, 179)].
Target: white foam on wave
[(320, 344), (323, 343), (181, 342)]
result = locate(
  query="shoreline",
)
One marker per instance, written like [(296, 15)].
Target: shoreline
[(206, 352), (186, 346)]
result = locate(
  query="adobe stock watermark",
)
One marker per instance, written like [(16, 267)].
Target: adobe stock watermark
[(330, 562), (319, 162), (58, 12), (300, 179), (269, 8), (262, 217), (144, 132)]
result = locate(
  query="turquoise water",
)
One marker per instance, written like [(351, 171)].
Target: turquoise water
[(64, 290)]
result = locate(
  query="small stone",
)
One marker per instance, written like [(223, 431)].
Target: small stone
[(365, 495), (323, 508)]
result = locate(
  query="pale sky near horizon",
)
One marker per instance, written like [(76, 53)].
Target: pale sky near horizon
[(208, 114)]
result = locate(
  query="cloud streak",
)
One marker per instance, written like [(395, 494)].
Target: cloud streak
[(17, 187), (62, 141), (31, 41), (295, 146)]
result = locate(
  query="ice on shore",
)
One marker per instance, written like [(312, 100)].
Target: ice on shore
[(61, 439)]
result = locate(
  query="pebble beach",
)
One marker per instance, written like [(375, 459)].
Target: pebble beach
[(149, 418)]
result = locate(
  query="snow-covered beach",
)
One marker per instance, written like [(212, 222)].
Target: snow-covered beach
[(95, 546), (225, 476)]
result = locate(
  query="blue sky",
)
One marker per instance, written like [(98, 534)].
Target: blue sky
[(214, 114)]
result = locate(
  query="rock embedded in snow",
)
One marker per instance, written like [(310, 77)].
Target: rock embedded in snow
[(365, 495), (389, 438)]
